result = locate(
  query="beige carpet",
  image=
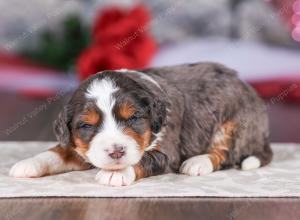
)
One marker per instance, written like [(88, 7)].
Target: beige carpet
[(280, 179)]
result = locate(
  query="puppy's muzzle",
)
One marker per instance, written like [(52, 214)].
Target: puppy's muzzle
[(117, 151)]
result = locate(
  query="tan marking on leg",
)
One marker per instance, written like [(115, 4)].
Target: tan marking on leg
[(70, 157), (148, 166), (139, 172), (222, 143)]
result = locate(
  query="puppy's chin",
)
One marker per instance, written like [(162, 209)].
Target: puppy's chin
[(114, 167), (119, 165)]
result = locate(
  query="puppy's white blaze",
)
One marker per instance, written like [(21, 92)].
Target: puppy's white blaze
[(102, 91), (251, 162), (111, 133)]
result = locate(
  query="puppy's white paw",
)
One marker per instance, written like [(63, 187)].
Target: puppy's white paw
[(197, 166), (31, 167), (123, 177), (251, 162)]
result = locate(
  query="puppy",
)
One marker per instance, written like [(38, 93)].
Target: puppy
[(193, 119)]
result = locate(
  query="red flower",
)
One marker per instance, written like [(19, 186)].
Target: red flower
[(121, 40), (115, 24)]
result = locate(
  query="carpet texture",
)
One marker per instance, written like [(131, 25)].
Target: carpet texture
[(279, 179)]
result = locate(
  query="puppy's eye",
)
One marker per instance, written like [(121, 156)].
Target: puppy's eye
[(136, 116), (132, 119), (85, 126)]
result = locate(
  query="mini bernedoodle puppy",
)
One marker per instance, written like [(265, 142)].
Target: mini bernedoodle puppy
[(193, 119)]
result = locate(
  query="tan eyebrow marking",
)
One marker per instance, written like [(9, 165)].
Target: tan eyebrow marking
[(91, 117), (126, 110)]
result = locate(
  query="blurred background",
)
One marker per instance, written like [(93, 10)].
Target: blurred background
[(47, 47)]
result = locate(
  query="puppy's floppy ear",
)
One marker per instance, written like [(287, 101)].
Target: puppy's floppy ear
[(61, 126), (157, 110)]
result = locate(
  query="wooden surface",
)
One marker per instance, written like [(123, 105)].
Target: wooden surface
[(150, 208)]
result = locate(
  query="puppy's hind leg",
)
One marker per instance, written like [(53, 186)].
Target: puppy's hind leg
[(54, 161), (258, 159), (217, 155)]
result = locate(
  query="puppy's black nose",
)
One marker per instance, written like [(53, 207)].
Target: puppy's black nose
[(117, 152)]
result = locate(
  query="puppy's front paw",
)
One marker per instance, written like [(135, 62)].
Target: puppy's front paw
[(197, 166), (28, 168), (123, 177)]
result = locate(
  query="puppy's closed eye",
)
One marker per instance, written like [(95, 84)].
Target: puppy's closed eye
[(85, 126), (85, 131), (133, 118), (138, 115)]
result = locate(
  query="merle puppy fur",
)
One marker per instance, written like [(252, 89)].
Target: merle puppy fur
[(192, 118)]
